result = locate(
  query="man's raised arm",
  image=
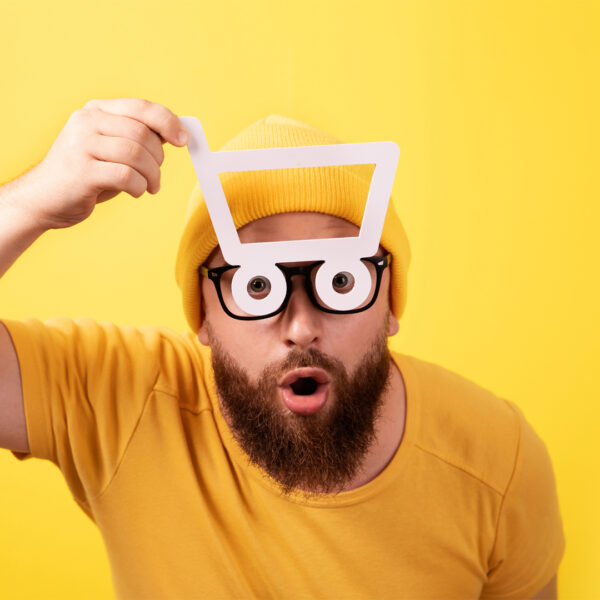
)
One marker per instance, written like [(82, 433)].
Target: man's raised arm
[(106, 147)]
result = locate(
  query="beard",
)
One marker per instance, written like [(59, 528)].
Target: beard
[(319, 452)]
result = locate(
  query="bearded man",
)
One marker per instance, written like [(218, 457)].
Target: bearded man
[(287, 455)]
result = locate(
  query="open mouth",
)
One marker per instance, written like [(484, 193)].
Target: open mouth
[(305, 386), (304, 391)]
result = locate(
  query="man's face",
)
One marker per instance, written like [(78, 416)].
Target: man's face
[(302, 390)]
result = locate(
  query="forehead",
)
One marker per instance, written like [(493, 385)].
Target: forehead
[(296, 226), (291, 226)]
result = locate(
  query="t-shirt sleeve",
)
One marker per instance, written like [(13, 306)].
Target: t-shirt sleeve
[(530, 540), (84, 385)]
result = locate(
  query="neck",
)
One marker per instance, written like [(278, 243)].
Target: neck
[(389, 432)]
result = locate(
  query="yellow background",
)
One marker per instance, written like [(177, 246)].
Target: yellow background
[(495, 108)]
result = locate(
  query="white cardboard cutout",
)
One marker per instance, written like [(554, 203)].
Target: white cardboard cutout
[(258, 259)]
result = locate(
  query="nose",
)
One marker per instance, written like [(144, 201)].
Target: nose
[(301, 321)]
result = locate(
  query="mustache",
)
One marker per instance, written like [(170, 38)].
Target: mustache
[(303, 358)]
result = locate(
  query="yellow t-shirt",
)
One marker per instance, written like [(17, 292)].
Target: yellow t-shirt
[(466, 508)]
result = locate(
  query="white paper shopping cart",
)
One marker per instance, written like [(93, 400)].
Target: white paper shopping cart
[(259, 259)]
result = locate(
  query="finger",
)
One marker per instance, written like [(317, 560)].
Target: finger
[(124, 127), (119, 178), (127, 152), (156, 116)]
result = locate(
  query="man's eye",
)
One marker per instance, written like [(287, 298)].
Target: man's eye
[(259, 287), (343, 282)]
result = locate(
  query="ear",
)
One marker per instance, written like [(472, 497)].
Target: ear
[(203, 330), (203, 334), (393, 325)]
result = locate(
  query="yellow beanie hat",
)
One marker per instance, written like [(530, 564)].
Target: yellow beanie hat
[(339, 191)]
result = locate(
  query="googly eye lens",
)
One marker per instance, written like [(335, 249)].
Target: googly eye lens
[(342, 282), (254, 292), (259, 287)]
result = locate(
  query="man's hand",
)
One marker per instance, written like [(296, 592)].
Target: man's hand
[(106, 147)]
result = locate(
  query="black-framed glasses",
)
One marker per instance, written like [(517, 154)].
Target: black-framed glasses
[(259, 287)]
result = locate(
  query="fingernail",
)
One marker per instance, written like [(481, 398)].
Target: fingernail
[(182, 137)]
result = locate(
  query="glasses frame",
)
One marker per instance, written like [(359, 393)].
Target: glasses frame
[(379, 262)]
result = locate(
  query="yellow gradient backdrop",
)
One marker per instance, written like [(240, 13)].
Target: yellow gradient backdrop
[(495, 108)]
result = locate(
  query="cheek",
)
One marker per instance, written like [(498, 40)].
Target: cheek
[(246, 341), (349, 337), (371, 323), (251, 348)]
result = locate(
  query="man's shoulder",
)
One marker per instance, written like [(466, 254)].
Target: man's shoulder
[(463, 423), (169, 361), (183, 364), (185, 367)]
